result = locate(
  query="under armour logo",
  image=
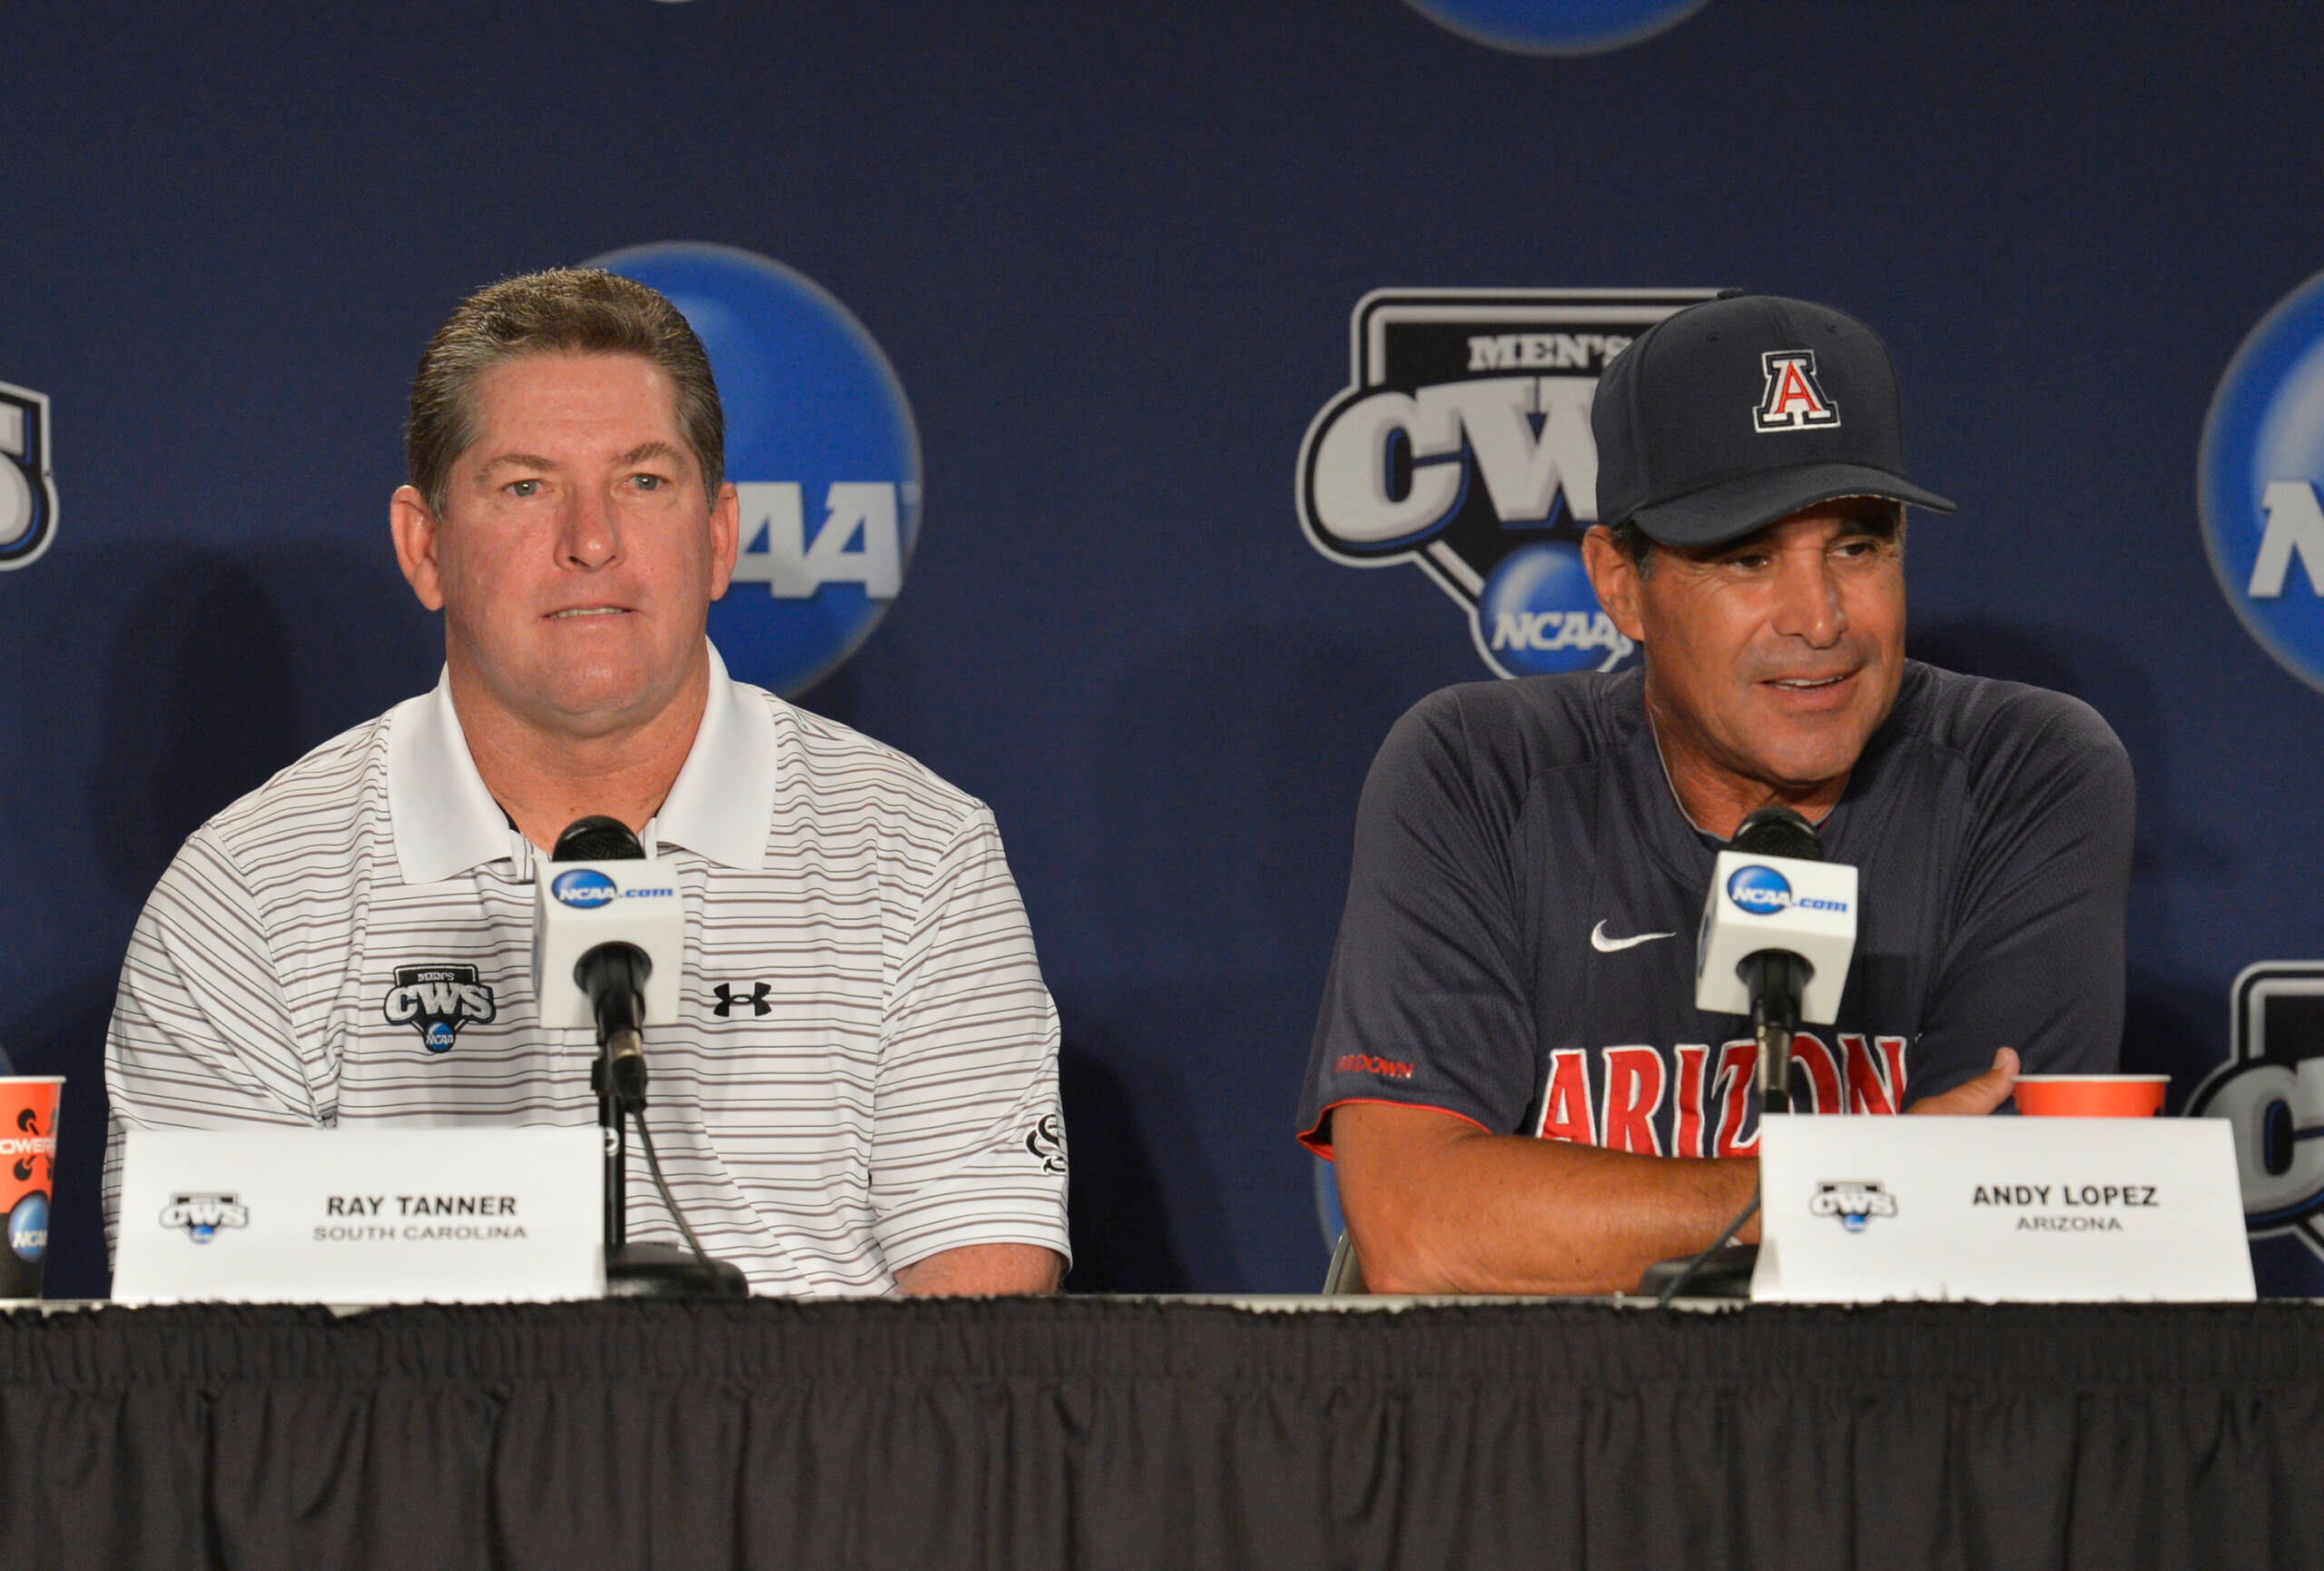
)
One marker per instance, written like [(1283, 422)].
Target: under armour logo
[(1794, 399), (757, 1000)]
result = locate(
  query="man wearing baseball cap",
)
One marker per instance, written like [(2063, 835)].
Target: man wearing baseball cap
[(1508, 1069)]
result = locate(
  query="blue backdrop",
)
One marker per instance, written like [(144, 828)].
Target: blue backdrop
[(1112, 252)]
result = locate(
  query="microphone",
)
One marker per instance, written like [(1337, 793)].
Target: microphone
[(608, 937), (1778, 933), (609, 941), (597, 838)]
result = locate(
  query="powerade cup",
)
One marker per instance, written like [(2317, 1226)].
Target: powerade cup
[(28, 1178)]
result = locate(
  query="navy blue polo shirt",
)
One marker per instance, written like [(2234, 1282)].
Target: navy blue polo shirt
[(1519, 945)]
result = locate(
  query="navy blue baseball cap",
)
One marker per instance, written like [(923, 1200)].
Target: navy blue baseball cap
[(1727, 416)]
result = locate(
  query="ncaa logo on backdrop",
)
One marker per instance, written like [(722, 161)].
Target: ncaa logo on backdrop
[(1557, 27), (2258, 479), (820, 446), (27, 489), (1462, 446)]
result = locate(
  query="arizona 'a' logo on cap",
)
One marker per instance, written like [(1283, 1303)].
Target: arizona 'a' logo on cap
[(1793, 401)]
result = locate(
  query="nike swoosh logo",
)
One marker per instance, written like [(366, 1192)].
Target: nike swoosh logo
[(1605, 945)]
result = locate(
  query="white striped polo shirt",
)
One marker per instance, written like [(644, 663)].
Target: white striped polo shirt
[(864, 1069)]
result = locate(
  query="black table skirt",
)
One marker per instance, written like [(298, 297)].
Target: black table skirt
[(1134, 1434)]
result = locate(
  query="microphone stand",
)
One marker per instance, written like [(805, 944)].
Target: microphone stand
[(618, 1077), (1776, 979)]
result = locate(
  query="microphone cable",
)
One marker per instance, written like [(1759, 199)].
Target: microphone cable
[(1688, 1274), (653, 1165)]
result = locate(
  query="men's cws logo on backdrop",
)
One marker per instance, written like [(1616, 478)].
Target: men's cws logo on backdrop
[(1557, 27), (27, 489), (2257, 479), (2270, 1090), (820, 445), (1463, 445)]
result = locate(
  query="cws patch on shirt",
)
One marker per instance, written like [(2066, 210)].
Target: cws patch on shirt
[(1518, 943), (864, 1069)]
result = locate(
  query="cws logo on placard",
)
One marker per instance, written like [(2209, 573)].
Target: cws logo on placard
[(202, 1216), (1557, 27), (2270, 1090), (821, 447), (27, 488), (2258, 480), (1462, 445), (1853, 1200)]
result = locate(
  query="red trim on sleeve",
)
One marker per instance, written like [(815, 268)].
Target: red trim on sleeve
[(1312, 1139)]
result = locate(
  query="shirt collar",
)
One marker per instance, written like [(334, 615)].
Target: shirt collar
[(445, 821), (724, 798)]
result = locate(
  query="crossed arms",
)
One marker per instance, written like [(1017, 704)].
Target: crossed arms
[(1436, 1205)]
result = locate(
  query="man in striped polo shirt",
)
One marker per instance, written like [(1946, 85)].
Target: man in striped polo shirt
[(860, 1093)]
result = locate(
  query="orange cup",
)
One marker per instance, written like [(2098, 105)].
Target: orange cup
[(2091, 1095), (27, 1179)]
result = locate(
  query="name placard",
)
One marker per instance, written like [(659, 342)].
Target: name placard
[(391, 1215), (2000, 1210)]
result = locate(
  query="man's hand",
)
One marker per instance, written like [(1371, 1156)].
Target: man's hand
[(1977, 1097)]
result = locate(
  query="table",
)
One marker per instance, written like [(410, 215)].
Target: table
[(1138, 1433)]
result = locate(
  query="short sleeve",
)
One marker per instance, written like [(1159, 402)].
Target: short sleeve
[(968, 1140), (201, 1035), (2034, 958), (1425, 1005)]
